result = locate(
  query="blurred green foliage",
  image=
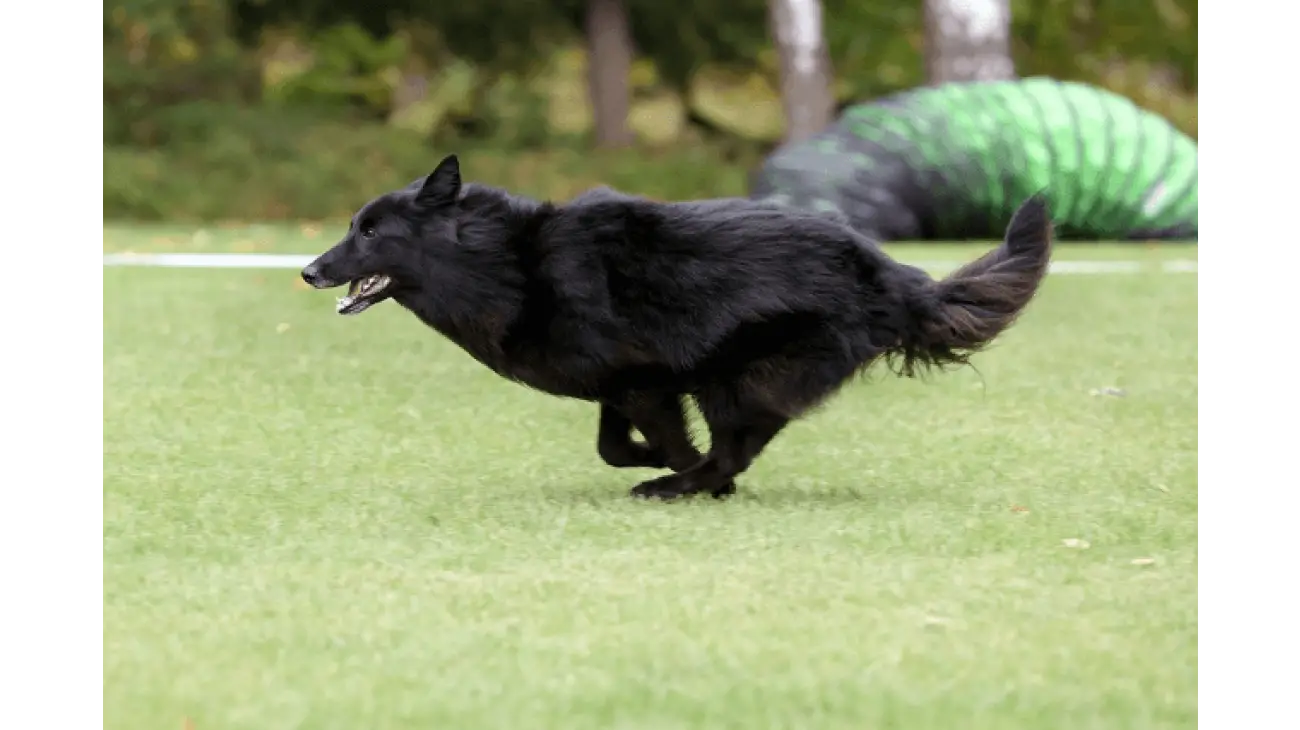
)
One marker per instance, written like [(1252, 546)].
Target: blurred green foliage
[(347, 71), (304, 108), (258, 164)]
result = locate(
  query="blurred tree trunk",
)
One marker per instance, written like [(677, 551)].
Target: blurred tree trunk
[(796, 26), (609, 59), (968, 40)]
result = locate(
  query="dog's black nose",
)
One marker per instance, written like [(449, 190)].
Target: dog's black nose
[(311, 274)]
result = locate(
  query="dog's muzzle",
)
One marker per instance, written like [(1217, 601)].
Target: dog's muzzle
[(311, 274)]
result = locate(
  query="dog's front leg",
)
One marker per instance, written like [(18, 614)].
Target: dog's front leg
[(615, 445), (739, 432), (660, 419)]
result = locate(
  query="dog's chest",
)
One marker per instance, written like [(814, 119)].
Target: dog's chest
[(569, 362), (587, 374), (566, 376), (549, 378)]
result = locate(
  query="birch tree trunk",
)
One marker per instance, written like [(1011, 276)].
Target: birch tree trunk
[(796, 26), (968, 40), (609, 59)]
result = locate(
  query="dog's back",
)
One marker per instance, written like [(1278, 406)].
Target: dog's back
[(677, 279)]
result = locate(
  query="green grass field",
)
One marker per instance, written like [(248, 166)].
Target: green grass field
[(313, 521)]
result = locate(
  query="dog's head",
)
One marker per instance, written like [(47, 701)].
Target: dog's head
[(388, 240)]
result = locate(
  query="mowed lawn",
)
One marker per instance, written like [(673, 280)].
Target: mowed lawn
[(313, 521)]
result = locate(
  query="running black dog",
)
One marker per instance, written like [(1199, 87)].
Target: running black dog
[(756, 311)]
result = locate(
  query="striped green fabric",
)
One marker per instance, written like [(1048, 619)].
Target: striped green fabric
[(953, 161)]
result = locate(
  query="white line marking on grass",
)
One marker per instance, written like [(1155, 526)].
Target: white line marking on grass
[(297, 261), (209, 260)]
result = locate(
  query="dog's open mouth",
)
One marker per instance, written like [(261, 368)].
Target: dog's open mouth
[(364, 292)]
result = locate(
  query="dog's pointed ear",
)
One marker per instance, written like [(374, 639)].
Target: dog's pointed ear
[(442, 187)]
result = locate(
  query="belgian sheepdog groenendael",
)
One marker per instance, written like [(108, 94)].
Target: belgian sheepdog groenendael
[(758, 312)]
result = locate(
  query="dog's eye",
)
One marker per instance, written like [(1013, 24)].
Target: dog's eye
[(367, 231)]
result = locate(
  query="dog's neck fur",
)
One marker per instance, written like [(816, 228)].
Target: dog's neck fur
[(495, 278)]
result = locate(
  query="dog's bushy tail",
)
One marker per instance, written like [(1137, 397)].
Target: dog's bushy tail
[(955, 317)]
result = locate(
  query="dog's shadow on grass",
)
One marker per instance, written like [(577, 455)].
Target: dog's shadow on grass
[(599, 494), (828, 496), (598, 497)]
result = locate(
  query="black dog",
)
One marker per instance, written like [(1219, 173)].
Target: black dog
[(758, 312)]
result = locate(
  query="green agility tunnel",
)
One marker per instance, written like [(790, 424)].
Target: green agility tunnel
[(952, 162)]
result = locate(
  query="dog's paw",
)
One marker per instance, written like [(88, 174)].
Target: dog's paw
[(665, 488), (724, 491)]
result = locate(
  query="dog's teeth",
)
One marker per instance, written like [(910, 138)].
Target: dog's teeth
[(371, 283)]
